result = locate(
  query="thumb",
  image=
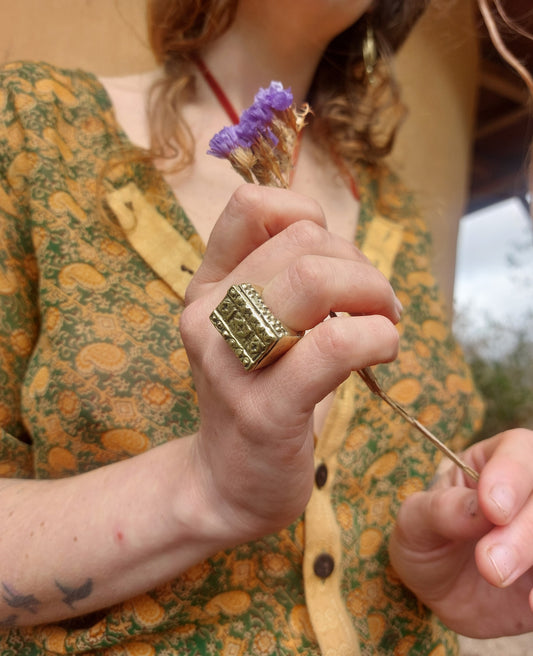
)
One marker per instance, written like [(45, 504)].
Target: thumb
[(429, 520)]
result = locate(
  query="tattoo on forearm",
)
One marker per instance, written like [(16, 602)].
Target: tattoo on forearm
[(75, 594), (15, 599), (30, 603), (9, 621)]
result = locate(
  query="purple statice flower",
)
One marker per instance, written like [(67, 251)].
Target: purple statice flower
[(254, 125), (257, 119), (275, 97), (261, 146), (224, 142), (255, 122)]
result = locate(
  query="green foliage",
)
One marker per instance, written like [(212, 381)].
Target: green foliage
[(503, 375), (507, 389)]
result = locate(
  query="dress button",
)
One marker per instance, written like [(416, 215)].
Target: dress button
[(323, 565), (321, 475)]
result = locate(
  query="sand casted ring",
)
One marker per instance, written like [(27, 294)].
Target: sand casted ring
[(254, 334)]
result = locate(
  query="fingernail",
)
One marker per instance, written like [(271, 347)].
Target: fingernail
[(503, 561), (399, 306), (503, 498)]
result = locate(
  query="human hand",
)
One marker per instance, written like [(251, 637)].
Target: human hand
[(254, 451), (467, 553)]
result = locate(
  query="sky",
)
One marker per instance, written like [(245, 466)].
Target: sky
[(494, 274)]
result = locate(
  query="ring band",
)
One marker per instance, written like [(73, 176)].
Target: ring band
[(254, 334)]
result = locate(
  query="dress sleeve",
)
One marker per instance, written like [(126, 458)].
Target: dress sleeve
[(19, 316)]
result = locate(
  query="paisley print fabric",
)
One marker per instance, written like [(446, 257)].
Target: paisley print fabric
[(93, 370)]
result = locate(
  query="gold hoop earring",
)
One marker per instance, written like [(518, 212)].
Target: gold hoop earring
[(370, 52)]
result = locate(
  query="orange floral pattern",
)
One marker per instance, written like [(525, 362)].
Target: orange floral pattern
[(93, 370)]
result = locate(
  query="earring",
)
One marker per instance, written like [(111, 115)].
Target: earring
[(370, 52)]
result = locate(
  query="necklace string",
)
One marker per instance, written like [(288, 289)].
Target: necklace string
[(217, 90)]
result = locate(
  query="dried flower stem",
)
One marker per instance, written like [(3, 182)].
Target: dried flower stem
[(368, 377)]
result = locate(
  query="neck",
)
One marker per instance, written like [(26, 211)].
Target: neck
[(278, 57)]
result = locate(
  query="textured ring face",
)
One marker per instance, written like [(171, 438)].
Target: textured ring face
[(254, 334)]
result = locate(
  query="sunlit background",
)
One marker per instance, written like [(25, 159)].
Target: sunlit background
[(494, 275), (494, 311)]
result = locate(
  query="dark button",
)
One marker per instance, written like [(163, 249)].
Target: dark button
[(321, 476), (323, 565)]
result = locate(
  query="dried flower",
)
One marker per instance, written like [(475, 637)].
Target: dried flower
[(222, 144), (260, 147), (275, 97)]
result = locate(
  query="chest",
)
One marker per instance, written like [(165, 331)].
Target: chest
[(204, 189)]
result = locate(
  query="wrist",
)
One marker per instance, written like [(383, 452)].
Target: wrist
[(199, 516)]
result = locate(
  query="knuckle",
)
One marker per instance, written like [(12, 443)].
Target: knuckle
[(191, 293), (334, 342), (247, 200), (303, 275), (306, 235), (515, 444), (199, 337), (380, 281), (187, 326), (315, 213), (330, 340), (520, 435), (408, 513), (247, 195)]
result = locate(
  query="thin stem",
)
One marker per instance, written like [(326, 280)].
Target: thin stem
[(368, 377)]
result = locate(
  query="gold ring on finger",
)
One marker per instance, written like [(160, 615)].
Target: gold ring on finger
[(250, 328)]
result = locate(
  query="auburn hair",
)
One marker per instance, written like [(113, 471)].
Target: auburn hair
[(354, 118)]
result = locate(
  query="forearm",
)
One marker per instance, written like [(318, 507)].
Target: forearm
[(78, 544)]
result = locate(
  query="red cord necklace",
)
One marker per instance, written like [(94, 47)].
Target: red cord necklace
[(217, 90), (226, 105)]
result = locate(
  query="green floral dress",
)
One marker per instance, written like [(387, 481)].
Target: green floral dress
[(93, 371)]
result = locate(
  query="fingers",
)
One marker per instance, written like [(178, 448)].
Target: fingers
[(305, 273), (431, 542), (505, 493), (253, 215), (507, 480), (311, 287), (428, 520), (277, 240), (504, 554), (323, 358), (276, 226)]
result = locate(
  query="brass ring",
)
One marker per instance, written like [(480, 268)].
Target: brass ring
[(254, 334)]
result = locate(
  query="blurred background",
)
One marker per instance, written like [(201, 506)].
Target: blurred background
[(463, 149)]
